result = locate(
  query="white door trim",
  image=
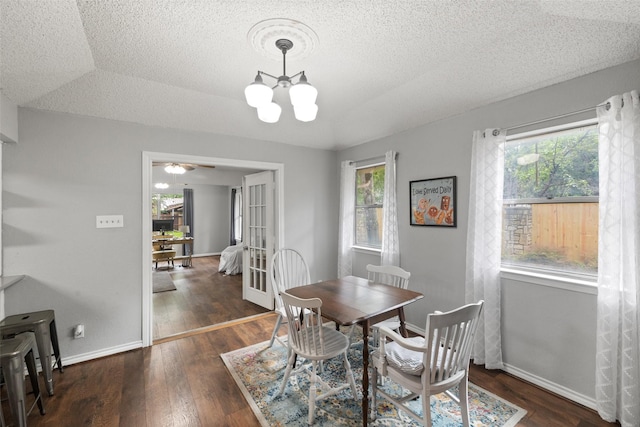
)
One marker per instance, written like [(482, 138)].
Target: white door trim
[(148, 157)]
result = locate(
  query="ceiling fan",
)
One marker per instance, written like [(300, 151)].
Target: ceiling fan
[(180, 168)]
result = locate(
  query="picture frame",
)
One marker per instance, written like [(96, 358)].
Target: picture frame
[(433, 202)]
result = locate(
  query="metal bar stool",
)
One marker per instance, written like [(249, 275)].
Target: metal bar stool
[(14, 354), (43, 324)]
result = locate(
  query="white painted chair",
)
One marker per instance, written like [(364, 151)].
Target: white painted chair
[(389, 275), (288, 269), (309, 339), (428, 366)]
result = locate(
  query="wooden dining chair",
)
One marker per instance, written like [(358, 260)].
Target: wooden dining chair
[(287, 270), (428, 366), (311, 340)]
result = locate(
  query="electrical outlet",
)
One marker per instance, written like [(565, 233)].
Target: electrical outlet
[(78, 331), (109, 221)]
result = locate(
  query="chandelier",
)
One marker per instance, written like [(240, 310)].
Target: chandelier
[(302, 94)]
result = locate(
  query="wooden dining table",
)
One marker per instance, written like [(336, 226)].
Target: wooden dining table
[(354, 300)]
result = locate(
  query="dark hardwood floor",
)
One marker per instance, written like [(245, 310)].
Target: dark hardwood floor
[(543, 408), (203, 297), (182, 381)]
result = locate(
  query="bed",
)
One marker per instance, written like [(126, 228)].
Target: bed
[(231, 260)]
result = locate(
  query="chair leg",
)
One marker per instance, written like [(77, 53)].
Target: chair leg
[(56, 346), (376, 344), (275, 329), (2, 423), (376, 337), (463, 397), (352, 328), (13, 371), (426, 409), (374, 389), (312, 392), (350, 379), (33, 377), (43, 342), (290, 363)]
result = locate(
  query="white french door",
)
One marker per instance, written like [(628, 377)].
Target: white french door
[(258, 238)]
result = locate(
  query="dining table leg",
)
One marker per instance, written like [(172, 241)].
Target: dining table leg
[(403, 326), (365, 372)]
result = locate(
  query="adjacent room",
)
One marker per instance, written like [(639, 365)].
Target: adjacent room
[(197, 247), (443, 196)]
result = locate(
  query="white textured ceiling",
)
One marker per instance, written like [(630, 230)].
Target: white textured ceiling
[(381, 66)]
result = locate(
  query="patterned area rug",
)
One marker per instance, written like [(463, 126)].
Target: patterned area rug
[(258, 371)]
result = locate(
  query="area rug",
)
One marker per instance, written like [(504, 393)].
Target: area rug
[(162, 282), (259, 371)]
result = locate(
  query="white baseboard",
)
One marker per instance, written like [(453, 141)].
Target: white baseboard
[(100, 353), (204, 255), (558, 389)]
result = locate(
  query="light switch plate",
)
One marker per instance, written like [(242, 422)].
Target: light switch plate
[(109, 221)]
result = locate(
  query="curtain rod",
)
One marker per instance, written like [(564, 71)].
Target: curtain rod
[(586, 110)]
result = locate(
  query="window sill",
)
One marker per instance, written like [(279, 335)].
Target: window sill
[(366, 250), (559, 282)]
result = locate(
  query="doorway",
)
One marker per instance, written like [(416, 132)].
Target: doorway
[(147, 160)]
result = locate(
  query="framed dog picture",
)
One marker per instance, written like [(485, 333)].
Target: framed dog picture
[(433, 202)]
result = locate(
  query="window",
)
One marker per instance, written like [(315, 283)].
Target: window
[(168, 207), (369, 197), (550, 208)]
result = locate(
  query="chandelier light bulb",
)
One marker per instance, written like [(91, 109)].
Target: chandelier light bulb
[(305, 113), (302, 93), (258, 93), (175, 169), (269, 113)]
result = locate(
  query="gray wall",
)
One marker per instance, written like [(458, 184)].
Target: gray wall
[(8, 120), (548, 333), (67, 169), (211, 217)]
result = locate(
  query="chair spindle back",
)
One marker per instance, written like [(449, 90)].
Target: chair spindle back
[(305, 332), (288, 270), (450, 341), (389, 275)]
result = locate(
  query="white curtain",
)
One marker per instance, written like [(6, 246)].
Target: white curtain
[(484, 243), (618, 317), (347, 217), (390, 245)]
